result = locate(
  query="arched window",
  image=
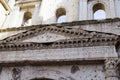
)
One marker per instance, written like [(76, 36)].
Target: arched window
[(99, 11), (61, 15), (27, 19)]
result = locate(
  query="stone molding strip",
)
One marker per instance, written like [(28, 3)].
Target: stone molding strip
[(74, 23), (81, 61), (58, 44), (52, 62)]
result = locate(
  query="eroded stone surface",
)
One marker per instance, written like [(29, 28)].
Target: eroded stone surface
[(30, 46), (85, 72)]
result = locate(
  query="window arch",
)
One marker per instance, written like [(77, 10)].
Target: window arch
[(99, 11), (61, 15), (27, 19)]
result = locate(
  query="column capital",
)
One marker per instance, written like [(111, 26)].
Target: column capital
[(111, 63), (111, 69)]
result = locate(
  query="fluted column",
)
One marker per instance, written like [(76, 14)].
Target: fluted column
[(111, 69)]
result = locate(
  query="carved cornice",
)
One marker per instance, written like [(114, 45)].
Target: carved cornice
[(72, 43)]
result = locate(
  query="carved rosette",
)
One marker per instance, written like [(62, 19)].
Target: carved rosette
[(111, 69)]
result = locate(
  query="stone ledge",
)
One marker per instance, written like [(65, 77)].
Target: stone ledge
[(53, 62), (74, 23)]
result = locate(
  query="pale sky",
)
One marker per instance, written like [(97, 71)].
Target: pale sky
[(100, 14), (62, 19)]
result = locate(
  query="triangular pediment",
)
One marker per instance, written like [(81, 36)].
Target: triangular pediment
[(46, 37), (53, 33), (53, 37)]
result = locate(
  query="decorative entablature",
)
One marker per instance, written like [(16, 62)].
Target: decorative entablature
[(58, 44), (78, 38)]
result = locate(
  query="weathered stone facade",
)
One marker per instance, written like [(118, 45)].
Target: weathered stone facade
[(79, 49)]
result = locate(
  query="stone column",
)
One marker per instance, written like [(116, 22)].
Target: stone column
[(111, 69)]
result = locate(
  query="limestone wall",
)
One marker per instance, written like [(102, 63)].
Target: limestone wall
[(117, 8), (19, 7), (103, 27), (44, 11), (70, 72), (2, 15), (48, 10)]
